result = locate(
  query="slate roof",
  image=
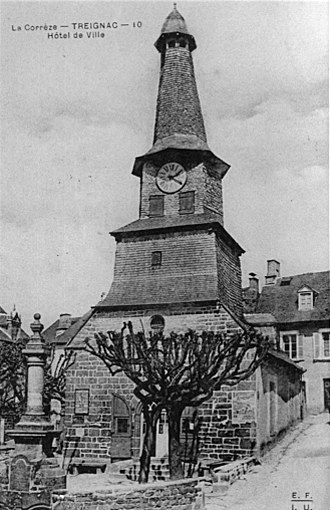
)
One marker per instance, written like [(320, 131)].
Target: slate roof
[(282, 300), (258, 319), (282, 356), (179, 123), (183, 222), (76, 324), (203, 287)]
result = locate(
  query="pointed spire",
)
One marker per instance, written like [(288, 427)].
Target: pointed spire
[(174, 23), (179, 123)]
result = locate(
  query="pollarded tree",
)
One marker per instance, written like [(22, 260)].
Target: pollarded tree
[(12, 380), (55, 376), (175, 371), (13, 373)]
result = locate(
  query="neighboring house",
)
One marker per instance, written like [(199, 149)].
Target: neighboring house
[(176, 267), (296, 311), (56, 336), (11, 326)]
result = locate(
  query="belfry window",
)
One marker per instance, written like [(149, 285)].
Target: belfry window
[(156, 205), (156, 259), (187, 202)]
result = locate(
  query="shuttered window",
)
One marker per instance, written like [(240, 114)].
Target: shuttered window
[(187, 202), (316, 345), (156, 205), (156, 259), (326, 344), (321, 342)]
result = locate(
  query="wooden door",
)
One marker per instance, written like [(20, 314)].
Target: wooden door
[(121, 430)]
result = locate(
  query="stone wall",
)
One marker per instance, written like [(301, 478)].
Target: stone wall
[(182, 495), (92, 435), (235, 422), (279, 399), (229, 423)]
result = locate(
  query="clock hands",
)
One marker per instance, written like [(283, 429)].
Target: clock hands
[(176, 180), (171, 177)]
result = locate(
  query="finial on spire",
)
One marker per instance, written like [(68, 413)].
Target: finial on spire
[(174, 5)]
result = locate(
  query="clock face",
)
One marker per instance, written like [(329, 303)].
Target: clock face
[(171, 177)]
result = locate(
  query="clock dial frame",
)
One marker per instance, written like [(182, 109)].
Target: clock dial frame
[(171, 177)]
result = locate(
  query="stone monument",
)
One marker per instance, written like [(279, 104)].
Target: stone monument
[(33, 471)]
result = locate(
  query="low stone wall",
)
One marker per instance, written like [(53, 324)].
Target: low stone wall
[(234, 470), (176, 495)]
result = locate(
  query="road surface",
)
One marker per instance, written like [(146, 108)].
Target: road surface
[(296, 468)]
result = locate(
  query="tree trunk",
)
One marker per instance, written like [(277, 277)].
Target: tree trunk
[(174, 447), (149, 442)]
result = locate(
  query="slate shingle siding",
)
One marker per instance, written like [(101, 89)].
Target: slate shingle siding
[(178, 106), (188, 271), (229, 277)]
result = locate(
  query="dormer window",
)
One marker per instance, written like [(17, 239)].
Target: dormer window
[(305, 298)]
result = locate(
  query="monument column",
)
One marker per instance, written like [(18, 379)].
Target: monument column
[(34, 433)]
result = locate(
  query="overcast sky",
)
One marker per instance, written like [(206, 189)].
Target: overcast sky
[(76, 112)]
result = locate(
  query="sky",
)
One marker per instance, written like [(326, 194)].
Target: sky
[(77, 111)]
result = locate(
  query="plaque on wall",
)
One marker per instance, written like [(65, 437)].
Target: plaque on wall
[(81, 402), (243, 406)]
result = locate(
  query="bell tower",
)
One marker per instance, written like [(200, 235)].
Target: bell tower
[(178, 252), (176, 267)]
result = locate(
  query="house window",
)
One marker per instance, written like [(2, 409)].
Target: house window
[(322, 344), (156, 205), (305, 301), (292, 344), (156, 259), (187, 202)]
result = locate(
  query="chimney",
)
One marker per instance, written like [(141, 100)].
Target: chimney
[(273, 271), (254, 282), (63, 324)]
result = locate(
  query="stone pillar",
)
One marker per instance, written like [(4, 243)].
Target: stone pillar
[(34, 433), (35, 353)]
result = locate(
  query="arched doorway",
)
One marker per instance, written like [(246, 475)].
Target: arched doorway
[(121, 430)]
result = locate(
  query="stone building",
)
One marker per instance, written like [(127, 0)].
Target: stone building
[(294, 310), (176, 267), (11, 326)]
